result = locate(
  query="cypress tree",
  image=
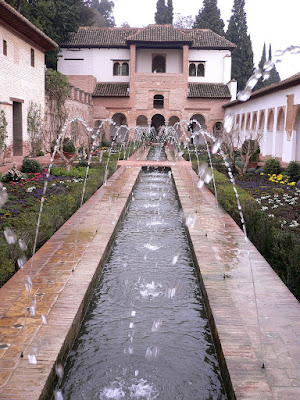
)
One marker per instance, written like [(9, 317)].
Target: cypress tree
[(274, 75), (261, 83), (242, 57), (164, 14), (209, 17), (170, 12), (160, 12)]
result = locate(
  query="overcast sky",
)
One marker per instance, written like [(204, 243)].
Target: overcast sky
[(271, 21)]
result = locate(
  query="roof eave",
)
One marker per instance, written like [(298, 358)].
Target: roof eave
[(20, 24), (268, 90)]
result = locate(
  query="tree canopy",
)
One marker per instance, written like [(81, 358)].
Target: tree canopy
[(164, 13), (209, 17), (242, 57)]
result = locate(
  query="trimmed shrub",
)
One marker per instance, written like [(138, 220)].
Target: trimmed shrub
[(293, 171), (272, 166), (250, 171), (82, 163), (30, 165), (259, 171)]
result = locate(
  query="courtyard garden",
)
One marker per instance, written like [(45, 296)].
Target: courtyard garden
[(19, 214)]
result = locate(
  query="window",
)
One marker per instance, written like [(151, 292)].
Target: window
[(121, 68), (4, 47), (159, 64), (254, 121), (32, 58), (196, 68), (158, 101)]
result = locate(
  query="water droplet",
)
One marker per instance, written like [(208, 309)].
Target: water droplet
[(10, 236), (257, 73), (32, 359), (32, 311), (244, 94), (228, 123), (3, 195), (216, 146), (252, 82), (268, 66), (21, 261), (22, 245), (28, 283), (200, 184), (175, 259), (190, 221), (266, 76), (44, 319), (131, 325), (136, 372), (58, 395), (156, 325), (133, 313), (59, 370)]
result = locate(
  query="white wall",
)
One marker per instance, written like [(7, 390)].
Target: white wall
[(96, 62), (173, 60), (19, 80), (275, 143), (217, 67)]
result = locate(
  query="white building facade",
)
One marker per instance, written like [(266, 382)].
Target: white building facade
[(22, 74), (274, 113)]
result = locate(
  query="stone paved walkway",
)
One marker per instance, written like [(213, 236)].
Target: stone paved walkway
[(220, 249)]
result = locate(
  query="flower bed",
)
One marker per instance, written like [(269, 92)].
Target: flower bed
[(276, 196)]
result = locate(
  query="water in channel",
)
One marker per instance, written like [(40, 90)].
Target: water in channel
[(146, 334)]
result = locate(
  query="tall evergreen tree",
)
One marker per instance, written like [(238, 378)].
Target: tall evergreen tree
[(242, 57), (164, 13), (209, 17), (105, 8), (170, 12), (274, 75), (56, 18), (261, 83)]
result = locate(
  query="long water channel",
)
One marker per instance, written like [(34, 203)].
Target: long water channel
[(146, 333)]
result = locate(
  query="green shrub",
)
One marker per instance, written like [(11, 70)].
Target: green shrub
[(30, 165), (272, 166), (240, 164), (250, 171), (259, 171), (82, 163), (40, 153), (293, 171)]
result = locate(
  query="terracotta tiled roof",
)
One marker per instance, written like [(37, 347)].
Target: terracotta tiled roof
[(208, 90), (111, 90), (21, 24), (99, 37), (205, 38), (122, 37), (275, 87), (161, 34)]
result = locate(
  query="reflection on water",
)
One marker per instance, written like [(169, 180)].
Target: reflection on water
[(146, 334)]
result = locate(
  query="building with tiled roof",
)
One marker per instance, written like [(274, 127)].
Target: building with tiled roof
[(153, 75), (22, 75), (272, 113)]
